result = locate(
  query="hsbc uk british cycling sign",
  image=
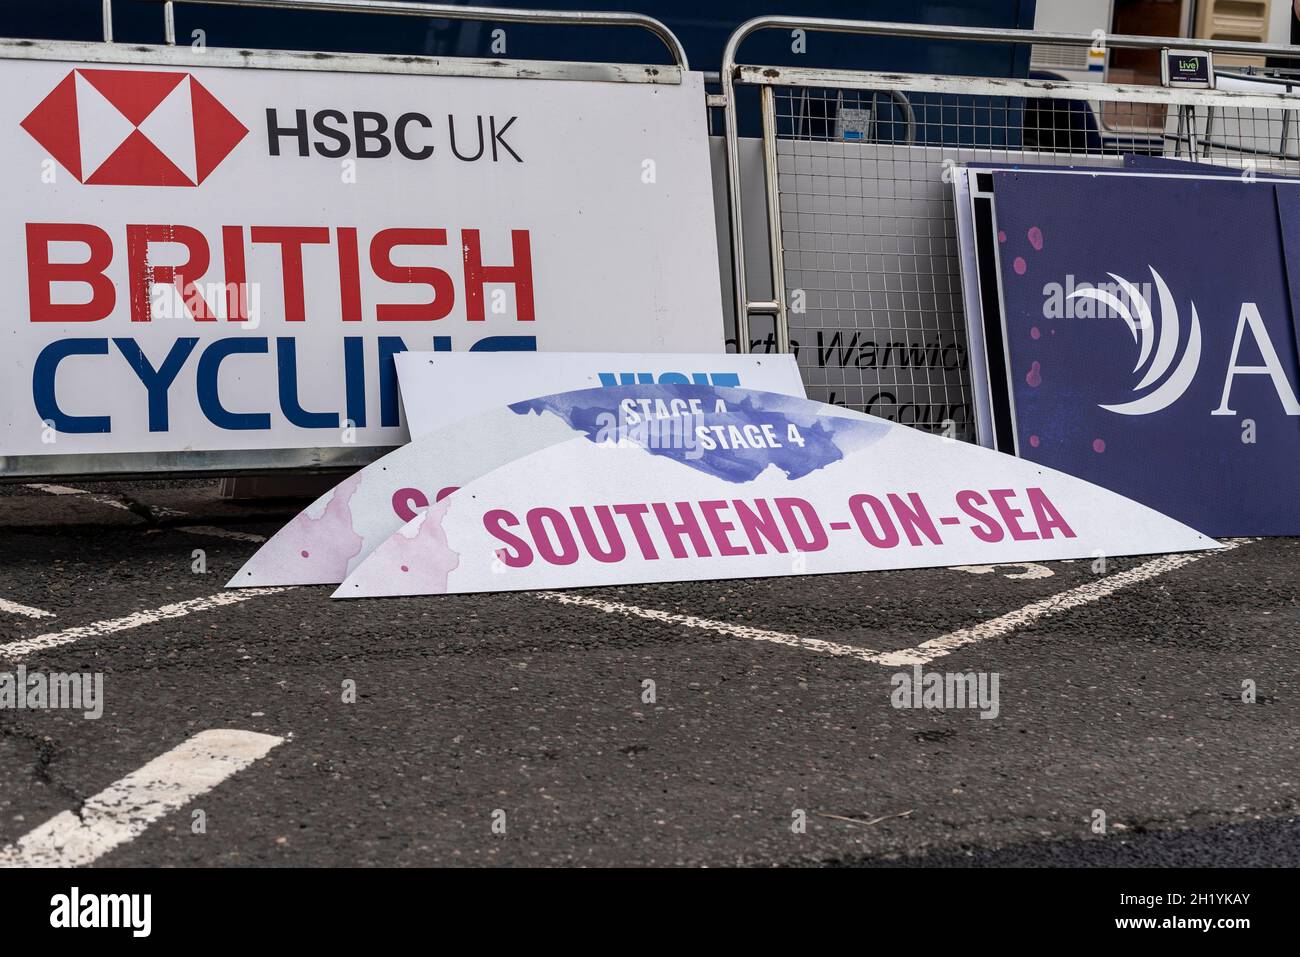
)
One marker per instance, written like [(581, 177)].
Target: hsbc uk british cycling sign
[(213, 258)]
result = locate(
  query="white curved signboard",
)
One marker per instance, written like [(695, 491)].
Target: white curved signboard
[(771, 486), (330, 538)]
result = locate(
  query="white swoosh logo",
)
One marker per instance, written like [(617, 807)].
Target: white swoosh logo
[(1145, 335)]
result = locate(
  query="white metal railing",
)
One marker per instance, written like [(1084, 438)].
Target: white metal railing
[(769, 77), (859, 225)]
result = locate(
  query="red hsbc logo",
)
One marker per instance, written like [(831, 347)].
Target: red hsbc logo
[(134, 128)]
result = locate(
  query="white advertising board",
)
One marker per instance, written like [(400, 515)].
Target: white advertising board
[(214, 258), (770, 485), (439, 388)]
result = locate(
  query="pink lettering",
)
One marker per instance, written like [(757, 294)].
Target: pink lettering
[(759, 524), (1010, 514), (881, 533), (635, 515), (811, 539), (614, 551), (496, 521), (563, 550), (990, 531), (674, 530), (914, 518), (720, 528), (1046, 515)]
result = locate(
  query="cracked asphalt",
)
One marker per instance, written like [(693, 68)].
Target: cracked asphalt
[(532, 714)]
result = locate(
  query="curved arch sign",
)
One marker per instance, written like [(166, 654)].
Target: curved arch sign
[(332, 536), (751, 484)]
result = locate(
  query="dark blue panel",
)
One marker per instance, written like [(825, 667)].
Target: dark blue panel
[(1288, 213), (703, 28), (1217, 246)]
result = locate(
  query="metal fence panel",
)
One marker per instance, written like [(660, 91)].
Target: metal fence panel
[(867, 272)]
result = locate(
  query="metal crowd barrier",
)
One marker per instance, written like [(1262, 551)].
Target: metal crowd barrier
[(864, 260)]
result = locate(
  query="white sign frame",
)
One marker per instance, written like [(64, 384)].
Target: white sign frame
[(441, 388)]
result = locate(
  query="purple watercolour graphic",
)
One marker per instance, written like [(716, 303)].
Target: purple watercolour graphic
[(1034, 333), (1099, 445), (1020, 266), (825, 438), (418, 557), (316, 551), (1035, 236)]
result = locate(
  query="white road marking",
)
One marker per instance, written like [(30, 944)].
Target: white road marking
[(125, 809), (929, 650), (213, 531), (160, 511), (16, 650), (56, 489), (107, 500), (110, 501), (1031, 571), (721, 627), (13, 608), (1083, 595)]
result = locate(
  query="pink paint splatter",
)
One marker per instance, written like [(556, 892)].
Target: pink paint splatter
[(1034, 333), (311, 551), (1033, 440), (1099, 445), (1034, 377), (419, 550), (1002, 236), (1020, 265), (1036, 238)]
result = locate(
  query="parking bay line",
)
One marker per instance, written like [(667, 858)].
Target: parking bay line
[(721, 627), (109, 501), (27, 611), (125, 809), (105, 500), (928, 650), (212, 531), (16, 650), (158, 511)]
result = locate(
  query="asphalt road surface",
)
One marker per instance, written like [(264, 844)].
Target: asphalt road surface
[(519, 729)]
